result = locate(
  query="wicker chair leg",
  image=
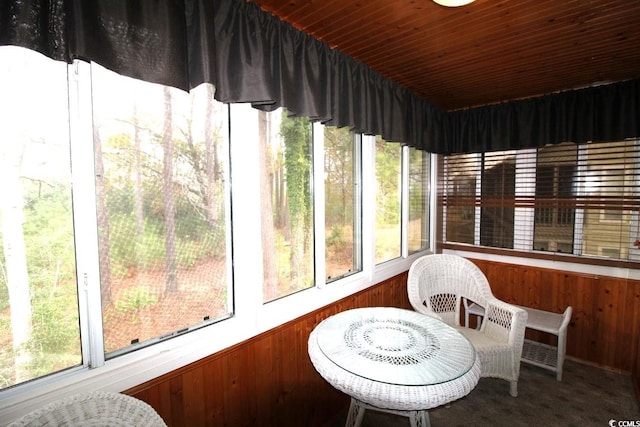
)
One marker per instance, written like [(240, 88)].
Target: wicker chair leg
[(513, 388)]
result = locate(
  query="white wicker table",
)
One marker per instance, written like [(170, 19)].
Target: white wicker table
[(393, 360)]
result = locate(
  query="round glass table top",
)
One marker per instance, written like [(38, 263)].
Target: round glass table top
[(395, 346)]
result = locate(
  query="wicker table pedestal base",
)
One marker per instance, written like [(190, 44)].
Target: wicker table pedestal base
[(357, 408)]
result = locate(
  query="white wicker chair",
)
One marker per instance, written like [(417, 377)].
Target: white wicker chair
[(93, 409), (437, 286)]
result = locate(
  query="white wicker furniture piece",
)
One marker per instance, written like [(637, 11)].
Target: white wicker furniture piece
[(536, 353), (393, 360), (92, 410), (438, 284)]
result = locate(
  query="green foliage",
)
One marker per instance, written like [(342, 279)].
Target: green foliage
[(48, 235), (4, 289), (339, 173), (135, 299), (336, 237), (296, 132), (297, 158), (388, 167), (147, 251), (55, 324)]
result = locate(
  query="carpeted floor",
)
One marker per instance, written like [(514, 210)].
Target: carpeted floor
[(587, 396)]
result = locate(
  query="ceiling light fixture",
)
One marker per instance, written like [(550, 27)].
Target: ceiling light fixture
[(452, 3)]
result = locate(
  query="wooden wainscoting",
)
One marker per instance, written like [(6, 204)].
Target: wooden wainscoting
[(605, 325), (265, 381), (636, 376), (269, 380)]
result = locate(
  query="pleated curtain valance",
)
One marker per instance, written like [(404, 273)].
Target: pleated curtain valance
[(604, 113), (251, 56)]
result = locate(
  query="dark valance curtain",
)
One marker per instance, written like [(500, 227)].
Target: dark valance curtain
[(252, 56), (267, 62), (603, 113), (247, 54)]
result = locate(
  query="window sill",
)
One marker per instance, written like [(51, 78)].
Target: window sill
[(132, 369), (556, 261)]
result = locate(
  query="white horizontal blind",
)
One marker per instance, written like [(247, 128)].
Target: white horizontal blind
[(565, 198)]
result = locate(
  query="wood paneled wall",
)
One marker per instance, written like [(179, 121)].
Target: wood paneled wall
[(605, 324), (269, 380), (265, 381)]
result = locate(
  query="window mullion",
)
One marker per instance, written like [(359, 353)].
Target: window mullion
[(525, 189), (368, 205), (434, 165), (478, 196), (85, 220), (404, 202), (634, 235), (245, 179), (318, 196), (581, 171)]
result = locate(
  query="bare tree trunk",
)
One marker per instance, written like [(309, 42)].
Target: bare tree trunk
[(211, 161), (139, 205), (12, 215), (171, 284), (266, 214), (103, 222)]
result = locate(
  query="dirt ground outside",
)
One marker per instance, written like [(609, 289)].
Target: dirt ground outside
[(143, 309)]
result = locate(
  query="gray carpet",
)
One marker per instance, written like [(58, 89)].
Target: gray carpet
[(587, 396)]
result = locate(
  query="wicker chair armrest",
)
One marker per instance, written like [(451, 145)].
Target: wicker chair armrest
[(420, 308), (516, 321)]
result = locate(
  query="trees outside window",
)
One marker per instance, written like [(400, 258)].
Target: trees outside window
[(117, 212), (419, 206), (39, 326), (287, 206), (161, 157), (343, 202), (388, 199)]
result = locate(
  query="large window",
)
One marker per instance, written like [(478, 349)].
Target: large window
[(144, 227), (161, 161), (388, 199), (419, 207), (39, 325), (343, 202), (554, 219), (287, 204), (567, 198), (479, 197)]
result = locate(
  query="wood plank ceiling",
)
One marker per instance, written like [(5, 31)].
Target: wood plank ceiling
[(486, 52)]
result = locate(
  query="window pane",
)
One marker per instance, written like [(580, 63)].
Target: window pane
[(610, 180), (418, 227), (579, 199), (461, 173), (342, 202), (287, 208), (388, 200), (554, 217), (498, 199), (161, 166), (39, 325)]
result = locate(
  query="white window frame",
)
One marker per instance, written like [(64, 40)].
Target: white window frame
[(522, 216), (251, 316)]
